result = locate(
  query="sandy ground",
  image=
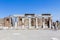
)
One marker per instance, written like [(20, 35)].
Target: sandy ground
[(29, 34)]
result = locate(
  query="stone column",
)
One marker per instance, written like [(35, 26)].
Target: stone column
[(29, 22), (43, 23), (56, 25), (10, 22), (50, 22), (23, 23), (15, 22), (36, 22)]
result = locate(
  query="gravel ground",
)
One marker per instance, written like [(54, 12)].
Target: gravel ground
[(29, 35)]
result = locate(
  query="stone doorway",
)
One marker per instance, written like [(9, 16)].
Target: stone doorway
[(33, 22)]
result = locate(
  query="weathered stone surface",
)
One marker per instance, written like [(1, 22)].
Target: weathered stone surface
[(7, 22), (43, 21)]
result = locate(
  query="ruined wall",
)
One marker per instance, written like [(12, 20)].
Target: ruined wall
[(19, 21), (40, 22), (7, 22), (33, 21), (58, 25), (1, 22), (26, 22)]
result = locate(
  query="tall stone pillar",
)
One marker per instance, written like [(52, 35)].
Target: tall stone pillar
[(23, 23), (56, 25), (36, 22), (16, 22), (29, 22), (43, 22), (11, 22), (50, 22)]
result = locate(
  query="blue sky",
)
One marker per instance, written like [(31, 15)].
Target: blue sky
[(10, 7)]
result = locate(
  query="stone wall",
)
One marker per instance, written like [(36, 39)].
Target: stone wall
[(33, 21), (7, 22), (26, 22), (1, 22), (19, 21), (29, 20), (40, 22)]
